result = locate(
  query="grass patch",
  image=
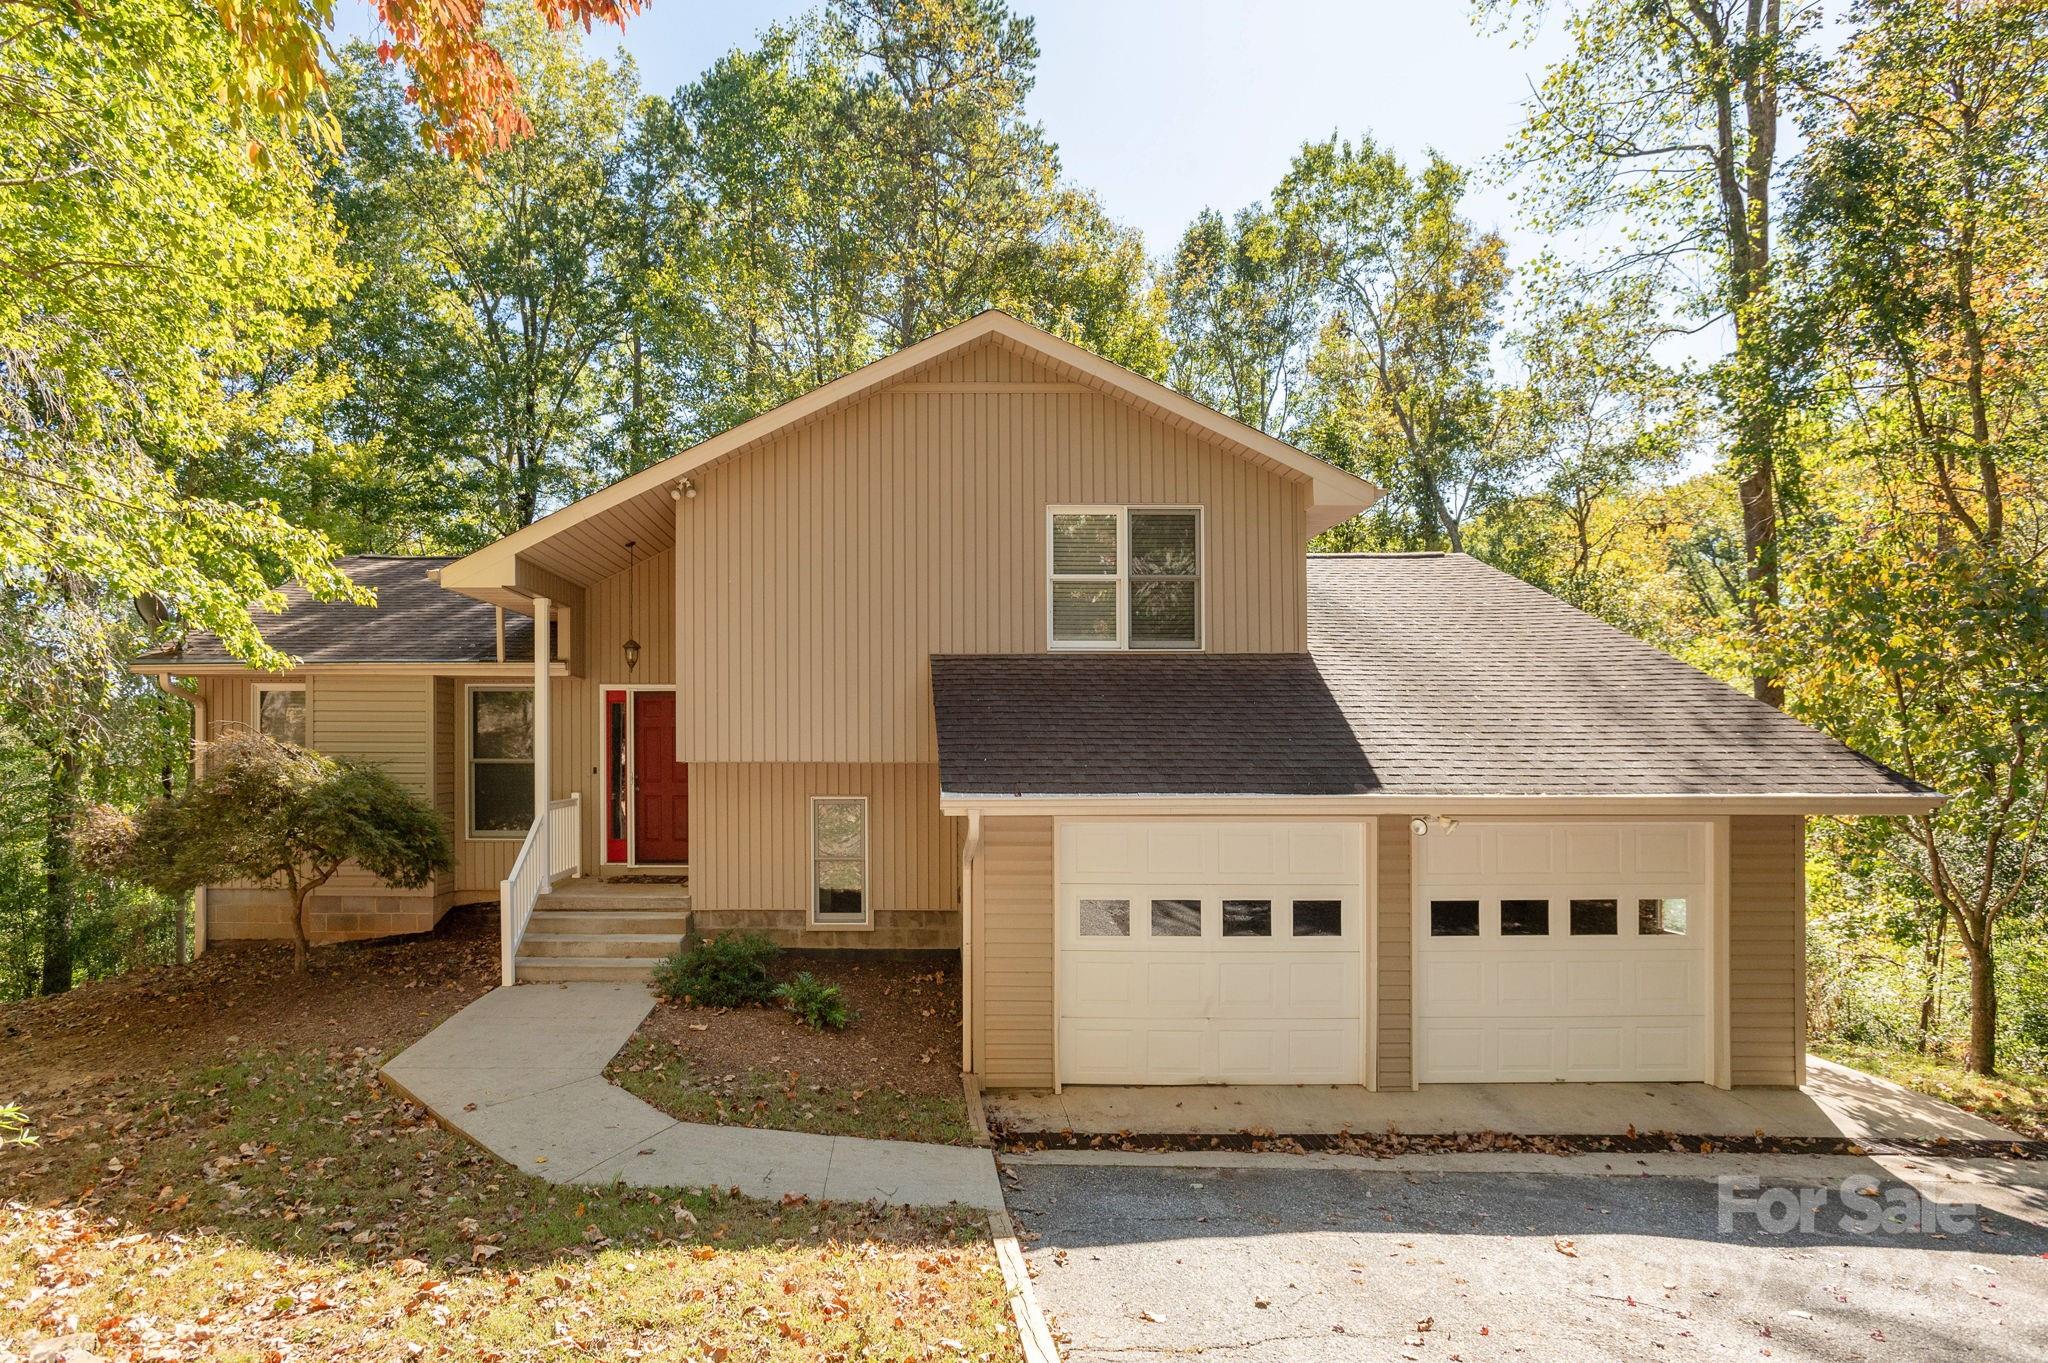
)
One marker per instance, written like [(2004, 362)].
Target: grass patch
[(2017, 1101), (658, 1073), (285, 1205)]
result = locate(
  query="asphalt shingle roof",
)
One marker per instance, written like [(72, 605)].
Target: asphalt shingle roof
[(1150, 723), (1427, 675), (414, 621)]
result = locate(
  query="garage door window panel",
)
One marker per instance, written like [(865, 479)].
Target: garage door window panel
[(1596, 917), (1525, 918), (1105, 918), (1247, 918), (1454, 918), (1661, 917), (1176, 918), (1318, 918)]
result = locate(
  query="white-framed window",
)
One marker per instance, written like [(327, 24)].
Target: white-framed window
[(499, 728), (1124, 577), (280, 710), (839, 861)]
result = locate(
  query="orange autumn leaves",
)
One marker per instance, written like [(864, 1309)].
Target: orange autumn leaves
[(463, 87)]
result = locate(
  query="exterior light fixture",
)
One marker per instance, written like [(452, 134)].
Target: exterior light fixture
[(632, 646)]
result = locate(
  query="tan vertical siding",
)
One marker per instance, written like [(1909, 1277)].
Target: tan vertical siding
[(1766, 974), (750, 851), (816, 573), (1012, 957), (1394, 893), (382, 718), (638, 604)]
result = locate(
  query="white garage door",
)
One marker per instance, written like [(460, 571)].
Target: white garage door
[(1561, 951), (1194, 952)]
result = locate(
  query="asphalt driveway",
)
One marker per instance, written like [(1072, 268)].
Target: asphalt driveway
[(1301, 1264)]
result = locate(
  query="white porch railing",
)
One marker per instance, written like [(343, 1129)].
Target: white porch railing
[(553, 847)]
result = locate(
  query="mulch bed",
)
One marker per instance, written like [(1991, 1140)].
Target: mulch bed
[(906, 1035), (383, 995), (1392, 1143)]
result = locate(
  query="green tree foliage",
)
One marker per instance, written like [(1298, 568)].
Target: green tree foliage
[(1405, 386), (1665, 117), (267, 811), (496, 290), (1244, 299), (155, 290), (1917, 619)]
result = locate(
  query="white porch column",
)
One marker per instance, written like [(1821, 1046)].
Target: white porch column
[(543, 709)]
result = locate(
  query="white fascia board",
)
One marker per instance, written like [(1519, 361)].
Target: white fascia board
[(1456, 806)]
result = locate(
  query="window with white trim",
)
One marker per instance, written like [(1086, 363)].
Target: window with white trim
[(500, 761), (839, 861), (1124, 577), (281, 712)]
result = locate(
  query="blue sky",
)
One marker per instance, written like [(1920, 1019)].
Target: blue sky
[(1164, 107)]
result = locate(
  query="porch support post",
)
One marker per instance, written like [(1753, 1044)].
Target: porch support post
[(543, 709)]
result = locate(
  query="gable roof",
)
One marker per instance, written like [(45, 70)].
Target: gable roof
[(1430, 679), (414, 621), (640, 504)]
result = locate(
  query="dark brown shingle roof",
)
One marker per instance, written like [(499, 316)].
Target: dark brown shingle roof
[(1427, 675), (1141, 723), (414, 621)]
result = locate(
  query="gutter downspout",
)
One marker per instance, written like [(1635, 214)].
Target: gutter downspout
[(199, 915), (969, 851)]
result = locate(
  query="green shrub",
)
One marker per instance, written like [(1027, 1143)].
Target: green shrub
[(727, 971), (815, 1003)]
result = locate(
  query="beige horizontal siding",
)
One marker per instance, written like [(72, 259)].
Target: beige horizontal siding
[(1766, 973), (818, 572), (1012, 957), (1394, 901), (750, 851)]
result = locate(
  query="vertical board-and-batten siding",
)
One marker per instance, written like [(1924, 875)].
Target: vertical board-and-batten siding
[(1013, 1023), (818, 571), (1766, 970), (1394, 943), (751, 858), (636, 603)]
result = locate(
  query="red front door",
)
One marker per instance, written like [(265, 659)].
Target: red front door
[(661, 796)]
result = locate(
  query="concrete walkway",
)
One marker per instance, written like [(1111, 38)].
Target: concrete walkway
[(521, 1073), (1837, 1102)]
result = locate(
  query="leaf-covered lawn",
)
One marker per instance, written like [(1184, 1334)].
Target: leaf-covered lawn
[(658, 1073), (2017, 1101), (285, 1206)]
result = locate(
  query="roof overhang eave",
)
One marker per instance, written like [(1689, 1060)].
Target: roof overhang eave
[(1675, 805)]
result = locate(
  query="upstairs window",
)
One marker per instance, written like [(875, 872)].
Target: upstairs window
[(1124, 577), (281, 711)]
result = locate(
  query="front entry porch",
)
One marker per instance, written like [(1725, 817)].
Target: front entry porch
[(1836, 1103)]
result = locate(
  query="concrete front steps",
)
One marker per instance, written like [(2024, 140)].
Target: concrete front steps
[(590, 929)]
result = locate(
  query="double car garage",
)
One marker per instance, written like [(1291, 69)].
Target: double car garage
[(1192, 951)]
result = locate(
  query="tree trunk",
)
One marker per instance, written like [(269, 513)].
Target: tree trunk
[(302, 895), (1983, 1057), (60, 870), (1929, 1000)]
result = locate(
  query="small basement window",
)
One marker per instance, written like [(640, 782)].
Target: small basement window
[(1124, 577), (839, 861), (500, 761), (281, 712)]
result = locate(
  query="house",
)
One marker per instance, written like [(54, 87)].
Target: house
[(994, 647)]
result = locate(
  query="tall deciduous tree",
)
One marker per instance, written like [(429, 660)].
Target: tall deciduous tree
[(1414, 292), (1244, 299), (1918, 628), (1667, 114), (496, 288), (154, 295)]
